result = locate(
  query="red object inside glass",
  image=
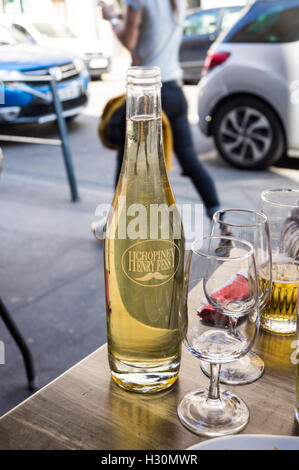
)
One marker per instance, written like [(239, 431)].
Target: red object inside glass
[(238, 289)]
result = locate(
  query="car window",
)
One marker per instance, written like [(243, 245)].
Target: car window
[(20, 28), (230, 16), (54, 30), (23, 30), (201, 22), (11, 37), (275, 23)]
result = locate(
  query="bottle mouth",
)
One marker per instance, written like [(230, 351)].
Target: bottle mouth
[(144, 76)]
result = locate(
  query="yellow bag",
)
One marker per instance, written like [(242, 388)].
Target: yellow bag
[(104, 129)]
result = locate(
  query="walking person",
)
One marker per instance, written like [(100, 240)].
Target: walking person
[(152, 31)]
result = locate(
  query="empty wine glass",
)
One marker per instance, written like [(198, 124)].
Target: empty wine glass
[(228, 282), (251, 226)]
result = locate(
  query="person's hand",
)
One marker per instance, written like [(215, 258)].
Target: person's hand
[(107, 11)]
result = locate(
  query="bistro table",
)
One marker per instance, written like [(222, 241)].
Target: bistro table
[(84, 409)]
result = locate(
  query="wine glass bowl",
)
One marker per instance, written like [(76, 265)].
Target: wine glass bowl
[(232, 296), (220, 323), (251, 226)]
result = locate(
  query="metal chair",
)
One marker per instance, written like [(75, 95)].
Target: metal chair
[(17, 336)]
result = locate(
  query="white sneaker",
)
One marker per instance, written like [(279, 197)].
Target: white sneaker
[(98, 230)]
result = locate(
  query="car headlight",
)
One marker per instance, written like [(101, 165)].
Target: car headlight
[(79, 64), (10, 75), (10, 113)]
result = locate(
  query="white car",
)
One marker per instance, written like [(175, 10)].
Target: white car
[(249, 93), (57, 34)]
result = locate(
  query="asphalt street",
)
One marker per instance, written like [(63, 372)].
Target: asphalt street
[(51, 268)]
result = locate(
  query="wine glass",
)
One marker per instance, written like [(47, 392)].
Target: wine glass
[(251, 226), (228, 282)]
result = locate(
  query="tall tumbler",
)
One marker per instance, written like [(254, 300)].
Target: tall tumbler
[(281, 206), (297, 383)]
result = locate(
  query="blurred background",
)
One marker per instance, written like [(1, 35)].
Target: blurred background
[(51, 267)]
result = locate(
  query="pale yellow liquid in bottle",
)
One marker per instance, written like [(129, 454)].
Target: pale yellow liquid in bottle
[(144, 276)]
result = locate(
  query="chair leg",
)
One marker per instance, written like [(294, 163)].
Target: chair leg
[(17, 336), (64, 142)]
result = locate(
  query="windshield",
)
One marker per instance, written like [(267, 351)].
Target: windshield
[(202, 22), (11, 37), (54, 30), (273, 22), (230, 16)]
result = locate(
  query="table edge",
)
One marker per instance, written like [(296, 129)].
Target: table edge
[(52, 381)]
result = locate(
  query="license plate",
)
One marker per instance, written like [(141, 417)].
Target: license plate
[(69, 93), (98, 63)]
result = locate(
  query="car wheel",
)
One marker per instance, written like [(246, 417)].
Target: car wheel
[(248, 134)]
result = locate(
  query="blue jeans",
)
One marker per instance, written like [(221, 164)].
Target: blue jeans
[(175, 106)]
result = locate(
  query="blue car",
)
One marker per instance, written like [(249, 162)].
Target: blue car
[(22, 101)]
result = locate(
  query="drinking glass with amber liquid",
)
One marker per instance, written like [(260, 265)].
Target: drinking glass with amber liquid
[(297, 396), (281, 206), (297, 362)]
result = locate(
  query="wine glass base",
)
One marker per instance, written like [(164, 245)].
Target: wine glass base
[(243, 371), (213, 417)]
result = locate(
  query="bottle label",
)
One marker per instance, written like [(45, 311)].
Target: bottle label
[(151, 263)]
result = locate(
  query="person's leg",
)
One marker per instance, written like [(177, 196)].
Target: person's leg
[(119, 132), (119, 161), (175, 106), (121, 138)]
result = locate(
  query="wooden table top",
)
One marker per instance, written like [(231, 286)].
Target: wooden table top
[(84, 409)]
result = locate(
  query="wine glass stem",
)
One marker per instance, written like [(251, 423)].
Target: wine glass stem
[(214, 393)]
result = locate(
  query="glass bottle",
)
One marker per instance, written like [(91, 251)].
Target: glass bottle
[(144, 250)]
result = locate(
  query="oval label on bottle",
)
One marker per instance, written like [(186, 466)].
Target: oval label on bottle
[(151, 263)]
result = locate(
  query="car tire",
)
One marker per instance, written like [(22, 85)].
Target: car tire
[(248, 133)]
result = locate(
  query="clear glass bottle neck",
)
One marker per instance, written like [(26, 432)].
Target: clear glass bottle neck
[(143, 156), (144, 102)]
